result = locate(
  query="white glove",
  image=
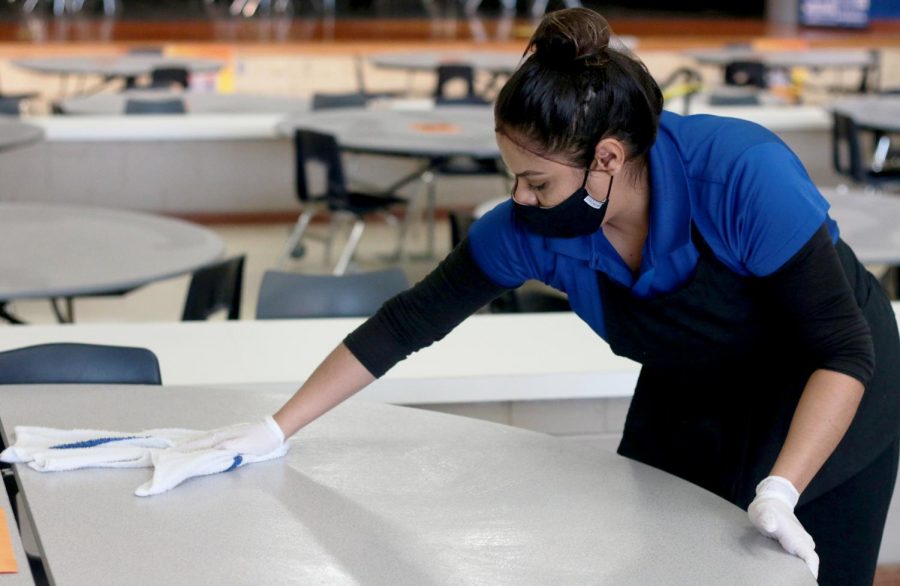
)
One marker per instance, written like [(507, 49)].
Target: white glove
[(258, 439), (772, 513)]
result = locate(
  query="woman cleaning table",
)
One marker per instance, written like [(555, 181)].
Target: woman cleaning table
[(699, 247)]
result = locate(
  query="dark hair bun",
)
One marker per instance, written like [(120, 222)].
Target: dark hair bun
[(571, 37)]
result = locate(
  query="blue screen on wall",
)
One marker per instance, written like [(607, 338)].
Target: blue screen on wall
[(837, 13)]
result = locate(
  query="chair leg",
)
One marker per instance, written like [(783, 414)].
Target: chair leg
[(333, 226), (430, 217), (350, 248), (296, 235), (882, 148)]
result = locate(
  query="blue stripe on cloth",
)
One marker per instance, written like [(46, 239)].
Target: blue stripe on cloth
[(94, 442), (237, 462)]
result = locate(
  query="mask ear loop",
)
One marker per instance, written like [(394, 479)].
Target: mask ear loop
[(584, 184)]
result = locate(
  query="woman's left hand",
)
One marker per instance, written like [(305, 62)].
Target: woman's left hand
[(772, 512)]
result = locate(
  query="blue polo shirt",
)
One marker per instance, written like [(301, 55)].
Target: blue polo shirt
[(747, 193)]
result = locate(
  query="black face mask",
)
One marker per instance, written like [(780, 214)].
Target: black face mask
[(578, 215)]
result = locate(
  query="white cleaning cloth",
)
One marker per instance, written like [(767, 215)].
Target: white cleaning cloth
[(46, 450)]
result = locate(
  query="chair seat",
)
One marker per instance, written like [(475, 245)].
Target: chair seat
[(891, 175), (467, 166), (362, 203)]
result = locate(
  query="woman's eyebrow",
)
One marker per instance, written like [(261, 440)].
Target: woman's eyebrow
[(528, 173)]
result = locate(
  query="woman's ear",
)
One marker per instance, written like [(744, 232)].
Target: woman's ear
[(609, 156)]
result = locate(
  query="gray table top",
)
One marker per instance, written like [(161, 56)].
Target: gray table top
[(378, 494), (869, 223), (439, 132), (15, 134), (115, 66), (490, 61), (58, 251), (195, 102), (812, 58), (23, 574), (874, 112)]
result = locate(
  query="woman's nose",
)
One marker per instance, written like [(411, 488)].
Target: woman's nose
[(523, 195)]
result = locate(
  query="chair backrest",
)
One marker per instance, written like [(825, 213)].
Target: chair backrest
[(10, 106), (449, 73), (460, 222), (746, 73), (174, 106), (846, 152), (323, 101), (317, 148), (79, 363), (214, 288), (168, 76), (291, 295)]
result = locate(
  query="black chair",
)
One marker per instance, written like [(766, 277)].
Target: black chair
[(446, 74), (71, 363), (133, 106), (79, 364), (290, 295), (848, 157), (166, 77), (324, 101), (10, 106), (315, 148), (455, 166), (215, 288), (746, 73)]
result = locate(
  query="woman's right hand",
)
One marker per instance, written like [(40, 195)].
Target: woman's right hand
[(258, 439)]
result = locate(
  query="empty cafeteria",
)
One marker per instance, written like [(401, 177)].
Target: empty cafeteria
[(433, 292)]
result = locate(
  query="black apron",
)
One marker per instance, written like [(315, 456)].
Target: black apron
[(722, 374)]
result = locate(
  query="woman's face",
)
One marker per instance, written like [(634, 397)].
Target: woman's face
[(539, 181)]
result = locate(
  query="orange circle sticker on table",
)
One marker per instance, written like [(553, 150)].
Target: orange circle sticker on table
[(435, 127)]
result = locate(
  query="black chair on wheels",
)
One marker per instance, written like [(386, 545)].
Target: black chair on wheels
[(315, 148), (848, 157), (291, 295), (215, 288)]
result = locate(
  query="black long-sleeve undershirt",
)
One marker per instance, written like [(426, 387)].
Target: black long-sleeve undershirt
[(811, 289)]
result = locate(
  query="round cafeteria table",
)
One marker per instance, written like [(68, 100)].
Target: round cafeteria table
[(14, 134), (195, 103), (879, 113), (868, 223), (377, 494), (115, 66), (493, 62), (431, 134), (812, 58), (67, 251), (126, 67)]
